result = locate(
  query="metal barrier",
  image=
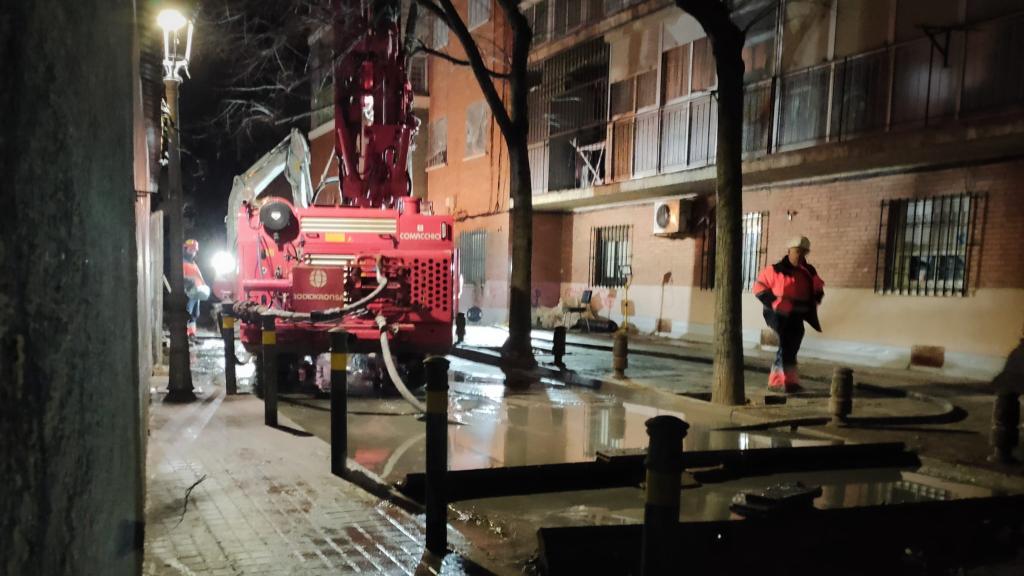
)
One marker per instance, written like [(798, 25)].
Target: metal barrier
[(436, 501), (664, 465), (227, 333), (268, 374), (339, 402)]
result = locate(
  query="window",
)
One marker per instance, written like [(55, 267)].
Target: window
[(647, 89), (440, 34), (472, 250), (924, 246), (703, 65), (676, 72), (537, 15), (437, 151), (479, 12), (754, 253), (478, 122), (622, 97), (609, 252)]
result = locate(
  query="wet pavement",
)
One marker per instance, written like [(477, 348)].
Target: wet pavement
[(550, 422), (227, 495)]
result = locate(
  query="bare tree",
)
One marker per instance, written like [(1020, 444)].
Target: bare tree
[(721, 22), (513, 121)]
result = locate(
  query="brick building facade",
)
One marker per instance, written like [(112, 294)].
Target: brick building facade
[(890, 133)]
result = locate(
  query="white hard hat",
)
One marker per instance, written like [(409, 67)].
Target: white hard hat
[(799, 242)]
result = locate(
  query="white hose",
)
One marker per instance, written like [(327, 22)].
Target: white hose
[(385, 349)]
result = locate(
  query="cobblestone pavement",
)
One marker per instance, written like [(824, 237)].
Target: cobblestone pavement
[(262, 500)]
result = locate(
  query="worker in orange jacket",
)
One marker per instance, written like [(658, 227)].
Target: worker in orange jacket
[(195, 286), (791, 291)]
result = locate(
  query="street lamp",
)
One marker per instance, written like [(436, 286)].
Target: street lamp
[(175, 25)]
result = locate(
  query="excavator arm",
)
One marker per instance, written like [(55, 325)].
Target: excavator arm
[(291, 157)]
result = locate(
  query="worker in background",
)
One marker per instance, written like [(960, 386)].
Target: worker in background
[(195, 287), (791, 291)]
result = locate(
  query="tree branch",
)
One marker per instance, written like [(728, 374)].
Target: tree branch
[(457, 61), (476, 64)]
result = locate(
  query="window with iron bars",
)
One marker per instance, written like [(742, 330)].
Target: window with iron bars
[(472, 251), (924, 245), (754, 250), (609, 252)]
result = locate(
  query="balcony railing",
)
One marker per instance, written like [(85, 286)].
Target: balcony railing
[(904, 86)]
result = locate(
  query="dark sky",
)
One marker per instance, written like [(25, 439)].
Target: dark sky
[(212, 152)]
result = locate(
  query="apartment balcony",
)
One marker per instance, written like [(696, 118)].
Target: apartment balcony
[(914, 103)]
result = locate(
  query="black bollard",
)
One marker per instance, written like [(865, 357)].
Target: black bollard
[(620, 354), (339, 402), (437, 455), (1005, 433), (269, 375), (460, 328), (227, 333), (841, 401), (664, 464), (558, 345)]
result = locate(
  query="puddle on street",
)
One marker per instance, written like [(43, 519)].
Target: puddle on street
[(503, 427)]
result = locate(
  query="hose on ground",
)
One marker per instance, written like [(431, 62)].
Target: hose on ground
[(389, 362)]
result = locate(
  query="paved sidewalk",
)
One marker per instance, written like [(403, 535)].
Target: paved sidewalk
[(263, 501)]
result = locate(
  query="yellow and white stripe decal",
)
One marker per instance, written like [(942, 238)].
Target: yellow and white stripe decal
[(350, 225)]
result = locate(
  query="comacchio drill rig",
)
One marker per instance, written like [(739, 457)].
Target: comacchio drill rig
[(362, 256)]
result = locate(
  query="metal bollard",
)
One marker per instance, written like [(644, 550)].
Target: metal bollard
[(558, 345), (269, 375), (460, 328), (227, 333), (841, 401), (1005, 433), (664, 464), (339, 402), (620, 353), (437, 455)]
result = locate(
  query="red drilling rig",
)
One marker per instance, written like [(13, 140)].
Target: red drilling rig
[(364, 254)]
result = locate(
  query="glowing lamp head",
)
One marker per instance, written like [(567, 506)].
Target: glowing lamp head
[(171, 20), (223, 263)]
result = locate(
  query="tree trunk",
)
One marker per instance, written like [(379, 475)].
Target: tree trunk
[(727, 387), (518, 350)]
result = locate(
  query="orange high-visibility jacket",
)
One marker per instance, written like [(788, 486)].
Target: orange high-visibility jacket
[(191, 271), (776, 287)]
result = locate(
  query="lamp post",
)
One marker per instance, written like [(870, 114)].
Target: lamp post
[(175, 25)]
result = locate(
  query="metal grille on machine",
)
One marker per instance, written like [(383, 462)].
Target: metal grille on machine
[(431, 283)]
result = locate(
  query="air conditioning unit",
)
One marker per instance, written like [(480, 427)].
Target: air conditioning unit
[(672, 217)]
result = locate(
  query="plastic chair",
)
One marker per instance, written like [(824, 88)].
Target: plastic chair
[(584, 306)]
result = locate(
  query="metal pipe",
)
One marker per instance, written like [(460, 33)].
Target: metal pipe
[(339, 402), (437, 455)]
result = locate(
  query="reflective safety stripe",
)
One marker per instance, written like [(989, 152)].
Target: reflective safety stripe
[(227, 322), (269, 338), (339, 361), (437, 402), (662, 488)]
